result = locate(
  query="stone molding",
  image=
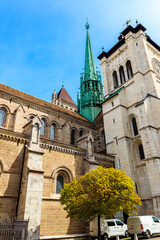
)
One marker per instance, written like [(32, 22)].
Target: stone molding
[(104, 159), (65, 236), (61, 149), (12, 138)]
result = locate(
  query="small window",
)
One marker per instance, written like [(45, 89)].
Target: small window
[(141, 151), (115, 79), (121, 74), (52, 132), (129, 69), (134, 125), (42, 131), (2, 117), (110, 223), (73, 135), (136, 187), (59, 184), (119, 223), (81, 133)]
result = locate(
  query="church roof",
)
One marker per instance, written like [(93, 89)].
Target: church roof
[(31, 99), (64, 96)]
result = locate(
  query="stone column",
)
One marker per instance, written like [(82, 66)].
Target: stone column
[(32, 182)]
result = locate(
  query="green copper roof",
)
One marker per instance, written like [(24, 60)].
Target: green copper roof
[(113, 94), (89, 69), (91, 89)]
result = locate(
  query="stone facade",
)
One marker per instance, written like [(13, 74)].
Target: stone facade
[(31, 160), (131, 112)]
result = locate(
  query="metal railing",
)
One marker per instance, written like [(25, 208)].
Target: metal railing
[(13, 230)]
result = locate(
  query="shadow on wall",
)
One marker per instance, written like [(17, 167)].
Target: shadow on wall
[(11, 177)]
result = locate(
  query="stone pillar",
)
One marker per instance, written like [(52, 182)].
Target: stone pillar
[(32, 182), (59, 134)]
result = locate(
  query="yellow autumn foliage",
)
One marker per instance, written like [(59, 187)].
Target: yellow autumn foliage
[(103, 192)]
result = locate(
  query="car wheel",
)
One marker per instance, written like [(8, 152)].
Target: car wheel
[(105, 236), (126, 234), (147, 234)]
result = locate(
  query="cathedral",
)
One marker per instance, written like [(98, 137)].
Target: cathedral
[(44, 145)]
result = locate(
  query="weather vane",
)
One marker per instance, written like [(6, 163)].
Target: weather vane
[(127, 22)]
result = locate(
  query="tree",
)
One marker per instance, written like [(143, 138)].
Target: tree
[(100, 192)]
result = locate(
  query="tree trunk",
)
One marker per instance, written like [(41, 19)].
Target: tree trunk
[(99, 227)]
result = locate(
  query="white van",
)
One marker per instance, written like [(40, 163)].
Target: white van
[(109, 228), (146, 225)]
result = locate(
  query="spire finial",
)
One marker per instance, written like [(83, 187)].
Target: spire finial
[(87, 25)]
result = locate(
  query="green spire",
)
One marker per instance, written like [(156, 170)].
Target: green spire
[(89, 69), (91, 89)]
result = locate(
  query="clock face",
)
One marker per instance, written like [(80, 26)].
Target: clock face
[(156, 66)]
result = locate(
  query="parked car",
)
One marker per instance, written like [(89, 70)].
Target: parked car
[(109, 228), (146, 225)]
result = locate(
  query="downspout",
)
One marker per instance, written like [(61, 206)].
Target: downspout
[(20, 183)]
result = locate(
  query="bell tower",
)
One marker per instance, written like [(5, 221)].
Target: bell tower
[(91, 89)]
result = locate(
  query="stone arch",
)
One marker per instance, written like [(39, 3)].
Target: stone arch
[(115, 79), (133, 124), (138, 150), (44, 127), (53, 130), (129, 69), (4, 112), (4, 106), (65, 173), (122, 74), (81, 132), (73, 135), (31, 116)]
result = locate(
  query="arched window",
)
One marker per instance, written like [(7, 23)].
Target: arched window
[(121, 74), (134, 125), (103, 139), (42, 132), (129, 69), (115, 79), (2, 117), (73, 135), (59, 184), (81, 133), (141, 152), (30, 119), (52, 132)]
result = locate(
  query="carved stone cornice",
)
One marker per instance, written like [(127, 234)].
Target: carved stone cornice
[(12, 136), (62, 149), (100, 158)]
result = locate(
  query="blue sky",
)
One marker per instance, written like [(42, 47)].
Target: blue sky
[(42, 42)]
